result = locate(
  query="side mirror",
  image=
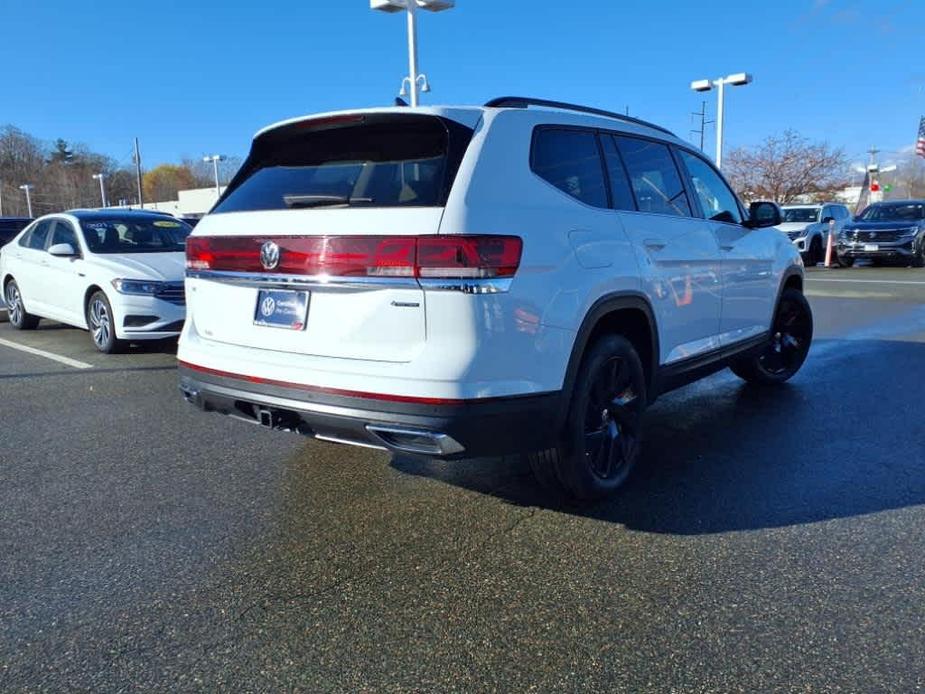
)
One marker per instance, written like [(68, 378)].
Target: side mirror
[(763, 214), (62, 250), (828, 220)]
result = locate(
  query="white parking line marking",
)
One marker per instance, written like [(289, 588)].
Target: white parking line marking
[(820, 279), (48, 355)]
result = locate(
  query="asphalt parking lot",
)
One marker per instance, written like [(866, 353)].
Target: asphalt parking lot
[(772, 540)]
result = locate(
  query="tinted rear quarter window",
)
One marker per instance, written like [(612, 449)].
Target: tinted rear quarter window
[(654, 177), (571, 161), (369, 161)]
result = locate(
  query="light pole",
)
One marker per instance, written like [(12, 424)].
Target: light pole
[(27, 187), (737, 80), (215, 159), (101, 177), (414, 81)]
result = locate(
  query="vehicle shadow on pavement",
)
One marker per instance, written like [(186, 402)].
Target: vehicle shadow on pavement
[(844, 438)]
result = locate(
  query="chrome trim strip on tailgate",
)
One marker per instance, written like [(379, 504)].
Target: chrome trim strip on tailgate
[(475, 285), (310, 282)]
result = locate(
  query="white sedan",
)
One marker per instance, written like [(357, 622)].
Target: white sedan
[(117, 273)]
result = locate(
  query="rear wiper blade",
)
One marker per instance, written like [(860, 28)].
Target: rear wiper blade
[(306, 201)]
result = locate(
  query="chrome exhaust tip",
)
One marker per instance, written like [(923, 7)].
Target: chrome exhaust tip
[(415, 441)]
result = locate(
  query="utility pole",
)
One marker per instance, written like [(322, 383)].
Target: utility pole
[(703, 122), (141, 197), (1, 198)]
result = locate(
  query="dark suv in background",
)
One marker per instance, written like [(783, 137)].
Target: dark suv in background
[(10, 226), (891, 231)]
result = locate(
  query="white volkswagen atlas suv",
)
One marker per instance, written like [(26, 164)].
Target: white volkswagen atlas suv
[(520, 277), (116, 273)]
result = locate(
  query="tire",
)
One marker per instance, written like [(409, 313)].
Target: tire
[(600, 442), (19, 318), (791, 337), (101, 324), (816, 254), (846, 262)]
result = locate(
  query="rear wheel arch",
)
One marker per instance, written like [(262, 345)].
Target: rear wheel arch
[(629, 315)]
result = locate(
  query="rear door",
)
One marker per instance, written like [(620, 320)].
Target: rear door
[(678, 254), (749, 284), (29, 261), (324, 209)]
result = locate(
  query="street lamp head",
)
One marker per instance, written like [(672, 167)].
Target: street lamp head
[(387, 5), (739, 79), (425, 85), (399, 5), (437, 5), (98, 177), (26, 186), (701, 85)]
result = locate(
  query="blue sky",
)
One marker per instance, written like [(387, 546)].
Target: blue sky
[(202, 76)]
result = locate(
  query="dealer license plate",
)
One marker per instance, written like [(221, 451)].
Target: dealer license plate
[(281, 309)]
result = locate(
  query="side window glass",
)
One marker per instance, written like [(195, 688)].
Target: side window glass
[(570, 160), (63, 233), (36, 239), (620, 191), (654, 178), (716, 200)]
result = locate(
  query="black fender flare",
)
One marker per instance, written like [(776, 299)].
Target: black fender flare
[(791, 271), (605, 305)]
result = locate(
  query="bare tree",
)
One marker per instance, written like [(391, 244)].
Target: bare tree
[(787, 167), (909, 179)]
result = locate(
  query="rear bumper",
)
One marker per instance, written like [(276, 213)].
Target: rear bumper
[(448, 429)]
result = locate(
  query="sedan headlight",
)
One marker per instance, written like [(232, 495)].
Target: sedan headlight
[(143, 287)]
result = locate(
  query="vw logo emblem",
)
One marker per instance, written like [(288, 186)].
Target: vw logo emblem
[(269, 255), (268, 306)]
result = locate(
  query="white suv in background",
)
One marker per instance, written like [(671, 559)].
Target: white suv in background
[(807, 227), (526, 276)]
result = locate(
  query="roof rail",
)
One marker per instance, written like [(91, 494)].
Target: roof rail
[(525, 101)]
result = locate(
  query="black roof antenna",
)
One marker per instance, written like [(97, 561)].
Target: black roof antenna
[(400, 102)]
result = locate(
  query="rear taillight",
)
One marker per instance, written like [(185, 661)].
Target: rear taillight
[(438, 257)]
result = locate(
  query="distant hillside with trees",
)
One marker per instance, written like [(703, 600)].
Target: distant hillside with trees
[(61, 173)]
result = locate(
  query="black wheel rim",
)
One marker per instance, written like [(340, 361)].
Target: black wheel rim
[(789, 340), (611, 429)]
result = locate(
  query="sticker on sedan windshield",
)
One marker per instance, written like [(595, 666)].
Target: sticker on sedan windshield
[(168, 225)]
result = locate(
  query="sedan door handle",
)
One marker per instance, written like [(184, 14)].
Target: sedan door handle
[(654, 244)]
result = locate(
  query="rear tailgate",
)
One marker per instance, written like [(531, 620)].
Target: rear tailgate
[(380, 320)]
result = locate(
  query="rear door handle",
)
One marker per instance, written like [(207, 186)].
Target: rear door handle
[(654, 244), (727, 247)]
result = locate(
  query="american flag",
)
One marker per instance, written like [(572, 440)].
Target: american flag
[(920, 143)]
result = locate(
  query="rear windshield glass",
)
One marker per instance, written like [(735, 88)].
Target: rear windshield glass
[(376, 161), (139, 235), (897, 212), (802, 214)]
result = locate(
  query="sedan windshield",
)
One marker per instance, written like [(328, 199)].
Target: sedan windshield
[(894, 212), (113, 235), (801, 215)]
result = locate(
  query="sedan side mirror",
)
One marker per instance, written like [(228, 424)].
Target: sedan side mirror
[(763, 214), (62, 250)]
